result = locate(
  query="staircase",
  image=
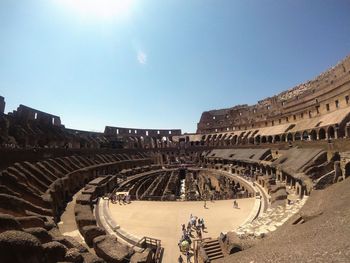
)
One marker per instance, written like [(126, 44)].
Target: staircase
[(213, 249)]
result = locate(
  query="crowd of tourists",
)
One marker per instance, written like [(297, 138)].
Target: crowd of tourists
[(120, 198), (196, 225)]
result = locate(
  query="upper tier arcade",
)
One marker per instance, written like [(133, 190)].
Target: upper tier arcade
[(318, 103)]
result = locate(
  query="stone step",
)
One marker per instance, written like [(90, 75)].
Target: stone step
[(213, 251), (216, 257)]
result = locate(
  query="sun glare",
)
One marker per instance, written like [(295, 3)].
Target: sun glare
[(99, 8)]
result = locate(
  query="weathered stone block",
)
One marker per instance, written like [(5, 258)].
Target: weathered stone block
[(54, 252), (70, 242), (40, 233), (90, 232), (21, 247), (108, 248), (73, 255), (8, 222), (31, 221)]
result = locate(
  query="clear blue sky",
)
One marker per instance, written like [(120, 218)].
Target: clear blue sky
[(161, 63)]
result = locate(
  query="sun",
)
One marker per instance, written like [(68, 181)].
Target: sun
[(99, 8)]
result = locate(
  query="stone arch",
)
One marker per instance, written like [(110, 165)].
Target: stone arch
[(244, 140), (331, 132), (313, 135), (270, 139), (277, 138), (289, 137), (251, 140), (224, 137), (297, 136), (234, 139), (234, 248), (268, 170), (263, 139), (283, 137), (305, 136), (322, 134), (257, 139)]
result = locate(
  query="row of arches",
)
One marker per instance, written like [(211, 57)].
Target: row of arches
[(250, 137), (149, 142)]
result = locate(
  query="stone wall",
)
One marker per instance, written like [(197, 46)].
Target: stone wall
[(2, 105), (26, 113)]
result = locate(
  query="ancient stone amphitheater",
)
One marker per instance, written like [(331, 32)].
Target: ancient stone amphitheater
[(290, 154)]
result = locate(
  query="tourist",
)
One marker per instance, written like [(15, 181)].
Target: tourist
[(180, 260), (202, 224), (189, 226), (194, 221), (199, 233), (205, 204), (188, 257)]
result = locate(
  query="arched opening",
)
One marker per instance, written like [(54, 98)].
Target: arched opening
[(270, 139), (268, 170), (305, 136), (283, 138), (251, 140), (289, 137), (331, 132), (228, 140), (263, 139), (322, 134), (235, 249), (257, 139), (234, 139), (313, 135), (224, 137), (277, 138), (297, 136)]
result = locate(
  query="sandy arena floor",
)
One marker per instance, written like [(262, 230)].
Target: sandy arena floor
[(162, 220)]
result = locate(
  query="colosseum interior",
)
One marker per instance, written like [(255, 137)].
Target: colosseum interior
[(287, 157)]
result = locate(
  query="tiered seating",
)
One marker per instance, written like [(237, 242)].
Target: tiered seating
[(33, 195)]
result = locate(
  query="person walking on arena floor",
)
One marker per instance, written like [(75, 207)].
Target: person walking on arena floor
[(188, 256)]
